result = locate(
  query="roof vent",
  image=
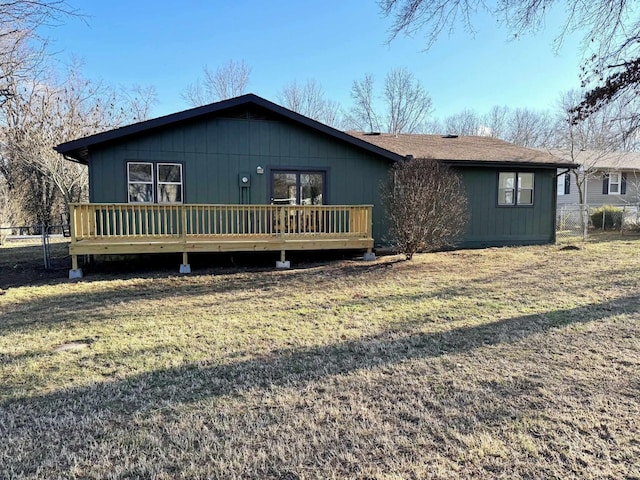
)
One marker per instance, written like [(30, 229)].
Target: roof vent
[(450, 136), (372, 133)]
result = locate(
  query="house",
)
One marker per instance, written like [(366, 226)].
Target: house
[(246, 174), (510, 189), (606, 178)]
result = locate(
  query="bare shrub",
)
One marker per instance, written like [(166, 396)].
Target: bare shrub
[(425, 204)]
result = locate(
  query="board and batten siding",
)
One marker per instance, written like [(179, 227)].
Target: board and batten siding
[(216, 151), (494, 225)]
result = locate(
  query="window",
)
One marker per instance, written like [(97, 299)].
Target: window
[(515, 188), (169, 183), (140, 179), (564, 184), (144, 187), (614, 183), (297, 188)]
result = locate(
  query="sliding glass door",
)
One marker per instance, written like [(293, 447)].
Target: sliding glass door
[(290, 187)]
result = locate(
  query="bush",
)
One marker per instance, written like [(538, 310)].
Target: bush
[(426, 206), (607, 218)]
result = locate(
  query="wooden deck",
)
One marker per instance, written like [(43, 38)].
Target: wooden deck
[(103, 229)]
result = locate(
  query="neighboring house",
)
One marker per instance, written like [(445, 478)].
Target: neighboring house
[(247, 174), (607, 178)]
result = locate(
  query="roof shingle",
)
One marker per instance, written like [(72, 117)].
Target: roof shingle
[(460, 148)]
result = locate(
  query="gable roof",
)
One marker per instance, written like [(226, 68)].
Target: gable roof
[(464, 150), (601, 160), (78, 150)]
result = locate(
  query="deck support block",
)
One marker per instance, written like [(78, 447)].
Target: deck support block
[(369, 257), (285, 264), (185, 267), (75, 273)]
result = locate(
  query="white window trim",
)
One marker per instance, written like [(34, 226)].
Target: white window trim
[(135, 182), (618, 183), (562, 180), (158, 165)]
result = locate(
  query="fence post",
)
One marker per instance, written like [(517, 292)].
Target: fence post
[(45, 247)]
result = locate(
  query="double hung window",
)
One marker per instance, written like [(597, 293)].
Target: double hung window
[(614, 183), (515, 188), (148, 181)]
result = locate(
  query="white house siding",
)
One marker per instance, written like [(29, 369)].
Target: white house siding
[(572, 197), (594, 195)]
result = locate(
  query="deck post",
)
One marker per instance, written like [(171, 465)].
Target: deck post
[(283, 263), (75, 272), (185, 267)]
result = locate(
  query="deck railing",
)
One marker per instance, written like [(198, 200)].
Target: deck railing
[(97, 221)]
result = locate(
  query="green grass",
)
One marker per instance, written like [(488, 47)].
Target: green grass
[(511, 362)]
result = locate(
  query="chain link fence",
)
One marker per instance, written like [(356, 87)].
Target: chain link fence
[(572, 222), (575, 222), (48, 242)]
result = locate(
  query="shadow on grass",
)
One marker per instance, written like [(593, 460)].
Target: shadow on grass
[(23, 265), (297, 367)]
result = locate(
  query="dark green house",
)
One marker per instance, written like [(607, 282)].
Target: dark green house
[(249, 151)]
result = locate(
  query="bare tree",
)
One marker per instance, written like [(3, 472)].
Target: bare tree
[(466, 122), (19, 20), (426, 206), (408, 103), (309, 100), (227, 81), (362, 114), (611, 65), (529, 128), (140, 100), (495, 122), (42, 113), (588, 141)]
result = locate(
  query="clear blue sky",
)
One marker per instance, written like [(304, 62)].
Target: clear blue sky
[(166, 44)]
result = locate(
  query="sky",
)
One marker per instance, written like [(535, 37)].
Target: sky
[(167, 44)]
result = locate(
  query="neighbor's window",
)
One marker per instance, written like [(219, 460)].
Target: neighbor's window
[(169, 183), (564, 184), (515, 188), (614, 183), (140, 180)]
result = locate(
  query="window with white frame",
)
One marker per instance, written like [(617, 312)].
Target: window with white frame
[(564, 184), (140, 182), (146, 183), (614, 183), (169, 183), (515, 188)]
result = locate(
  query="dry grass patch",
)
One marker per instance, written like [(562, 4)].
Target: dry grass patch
[(513, 362)]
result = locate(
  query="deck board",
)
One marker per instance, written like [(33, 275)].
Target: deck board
[(119, 246)]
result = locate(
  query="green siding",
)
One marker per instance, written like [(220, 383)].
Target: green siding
[(214, 152), (493, 225)]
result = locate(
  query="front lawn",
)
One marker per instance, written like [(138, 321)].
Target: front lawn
[(497, 363)]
